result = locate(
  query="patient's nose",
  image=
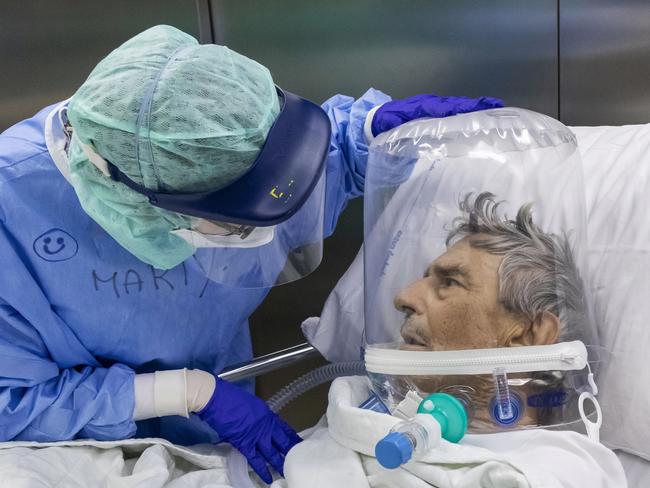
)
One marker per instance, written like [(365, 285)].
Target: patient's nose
[(408, 300)]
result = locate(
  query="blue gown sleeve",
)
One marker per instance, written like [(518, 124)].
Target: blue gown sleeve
[(348, 153), (51, 388)]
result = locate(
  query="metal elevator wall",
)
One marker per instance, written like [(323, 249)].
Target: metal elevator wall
[(604, 62), (48, 48)]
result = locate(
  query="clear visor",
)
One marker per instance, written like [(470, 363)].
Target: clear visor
[(260, 257), (474, 240)]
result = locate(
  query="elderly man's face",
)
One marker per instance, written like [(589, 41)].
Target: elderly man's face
[(456, 304)]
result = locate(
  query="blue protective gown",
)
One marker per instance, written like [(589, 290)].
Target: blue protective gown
[(80, 316)]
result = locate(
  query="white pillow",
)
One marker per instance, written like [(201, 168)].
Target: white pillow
[(637, 470), (617, 181), (617, 175)]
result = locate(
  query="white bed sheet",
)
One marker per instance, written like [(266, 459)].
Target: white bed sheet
[(131, 463), (637, 470)]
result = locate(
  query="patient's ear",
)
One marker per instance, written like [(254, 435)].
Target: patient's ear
[(544, 330)]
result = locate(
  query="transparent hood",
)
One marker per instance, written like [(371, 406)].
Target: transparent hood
[(474, 242)]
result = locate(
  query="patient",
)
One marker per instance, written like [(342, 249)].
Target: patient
[(501, 283)]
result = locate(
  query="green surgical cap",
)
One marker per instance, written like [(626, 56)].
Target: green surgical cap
[(174, 116)]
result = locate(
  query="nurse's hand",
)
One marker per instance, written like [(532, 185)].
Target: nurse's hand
[(394, 113), (247, 423)]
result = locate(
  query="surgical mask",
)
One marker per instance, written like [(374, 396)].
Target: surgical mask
[(247, 238), (204, 233), (474, 241)]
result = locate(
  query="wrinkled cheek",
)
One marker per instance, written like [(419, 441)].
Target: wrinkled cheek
[(462, 327)]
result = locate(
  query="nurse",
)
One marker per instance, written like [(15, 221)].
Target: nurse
[(143, 221)]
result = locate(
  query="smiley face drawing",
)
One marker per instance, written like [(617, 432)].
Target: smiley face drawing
[(55, 245)]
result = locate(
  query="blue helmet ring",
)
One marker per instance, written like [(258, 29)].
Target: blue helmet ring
[(277, 184)]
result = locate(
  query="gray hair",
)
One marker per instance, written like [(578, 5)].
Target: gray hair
[(537, 274)]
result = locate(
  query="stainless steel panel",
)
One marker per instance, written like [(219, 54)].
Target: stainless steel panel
[(605, 62), (49, 48), (504, 48)]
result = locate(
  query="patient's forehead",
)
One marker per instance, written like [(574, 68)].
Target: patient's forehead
[(467, 260)]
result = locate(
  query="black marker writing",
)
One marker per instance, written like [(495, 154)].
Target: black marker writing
[(113, 278), (138, 281)]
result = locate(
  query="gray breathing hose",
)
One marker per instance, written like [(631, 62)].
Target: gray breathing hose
[(237, 465), (312, 379)]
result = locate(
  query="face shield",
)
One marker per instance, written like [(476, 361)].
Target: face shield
[(279, 254), (189, 153), (263, 229), (266, 227), (474, 245)]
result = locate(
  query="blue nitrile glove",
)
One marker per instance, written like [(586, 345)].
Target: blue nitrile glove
[(247, 423), (392, 114)]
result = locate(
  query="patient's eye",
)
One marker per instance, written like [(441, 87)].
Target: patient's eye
[(447, 282)]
